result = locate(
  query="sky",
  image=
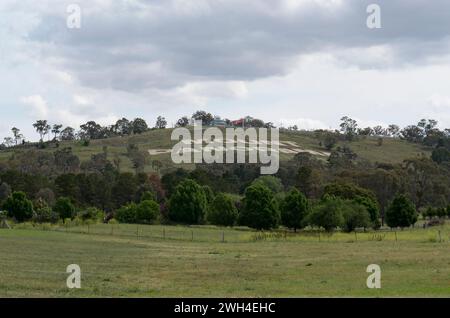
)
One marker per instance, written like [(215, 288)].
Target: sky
[(302, 62)]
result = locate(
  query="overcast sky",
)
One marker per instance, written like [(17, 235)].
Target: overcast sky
[(304, 62)]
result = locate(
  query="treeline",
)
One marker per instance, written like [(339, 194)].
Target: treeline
[(91, 130), (342, 193)]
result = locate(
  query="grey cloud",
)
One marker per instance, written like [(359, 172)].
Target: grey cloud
[(154, 44)]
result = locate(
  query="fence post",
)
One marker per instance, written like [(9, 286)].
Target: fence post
[(440, 238), (356, 236), (395, 235), (192, 234), (137, 231), (223, 236)]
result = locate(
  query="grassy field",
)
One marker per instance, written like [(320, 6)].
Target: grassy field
[(124, 264)]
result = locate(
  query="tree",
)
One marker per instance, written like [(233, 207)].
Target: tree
[(67, 133), (401, 213), (56, 130), (17, 135), (47, 130), (412, 134), (41, 127), (271, 182), (393, 130), (43, 213), (222, 211), (47, 195), (260, 210), (349, 127), (440, 155), (188, 203), (91, 130), (8, 141), (127, 213), (139, 126), (355, 215), (148, 196), (258, 123), (161, 123), (328, 214), (5, 191), (19, 207), (64, 208), (122, 127), (182, 122), (147, 211), (124, 189), (294, 209), (359, 195), (204, 117), (329, 140)]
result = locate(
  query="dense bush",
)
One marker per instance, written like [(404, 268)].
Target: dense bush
[(92, 214), (147, 212), (273, 183), (64, 208), (294, 209), (127, 214), (355, 216), (19, 207), (148, 196), (43, 213), (260, 210), (222, 211), (188, 203), (328, 213), (360, 195), (401, 212)]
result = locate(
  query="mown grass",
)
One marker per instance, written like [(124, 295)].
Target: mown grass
[(33, 263)]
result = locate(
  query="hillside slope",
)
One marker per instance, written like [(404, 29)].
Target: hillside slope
[(152, 142)]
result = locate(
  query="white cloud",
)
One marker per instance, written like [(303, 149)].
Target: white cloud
[(39, 107)]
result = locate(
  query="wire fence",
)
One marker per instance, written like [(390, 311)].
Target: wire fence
[(439, 234)]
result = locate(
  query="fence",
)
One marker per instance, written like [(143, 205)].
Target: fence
[(439, 234)]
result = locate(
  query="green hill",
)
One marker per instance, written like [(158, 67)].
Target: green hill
[(391, 150)]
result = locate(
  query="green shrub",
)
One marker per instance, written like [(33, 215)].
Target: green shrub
[(19, 207), (294, 209), (92, 214), (64, 208), (355, 216), (44, 214), (127, 214), (188, 203), (222, 211), (328, 214), (148, 196), (147, 212), (401, 212), (260, 210)]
